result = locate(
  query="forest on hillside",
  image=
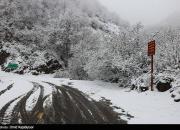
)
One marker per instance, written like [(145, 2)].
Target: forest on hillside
[(82, 40)]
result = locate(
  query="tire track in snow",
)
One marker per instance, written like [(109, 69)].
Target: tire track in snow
[(82, 108), (39, 105), (57, 113), (66, 105), (5, 90), (74, 107), (21, 115), (4, 109), (8, 114), (19, 112), (91, 108), (61, 103)]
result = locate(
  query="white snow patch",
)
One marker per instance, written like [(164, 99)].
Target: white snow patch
[(47, 87), (32, 100), (48, 102), (19, 88)]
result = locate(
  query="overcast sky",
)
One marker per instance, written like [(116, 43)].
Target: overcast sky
[(147, 11)]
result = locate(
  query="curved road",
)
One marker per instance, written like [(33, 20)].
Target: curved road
[(64, 105)]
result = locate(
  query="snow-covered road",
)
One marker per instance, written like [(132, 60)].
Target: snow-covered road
[(45, 100), (136, 108)]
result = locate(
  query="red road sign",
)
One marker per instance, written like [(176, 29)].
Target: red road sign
[(151, 48), (151, 52)]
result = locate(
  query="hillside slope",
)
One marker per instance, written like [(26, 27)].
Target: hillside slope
[(38, 34)]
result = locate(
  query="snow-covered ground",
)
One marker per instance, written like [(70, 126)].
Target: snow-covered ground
[(147, 108)]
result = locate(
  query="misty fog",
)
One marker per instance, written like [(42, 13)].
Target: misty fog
[(149, 12)]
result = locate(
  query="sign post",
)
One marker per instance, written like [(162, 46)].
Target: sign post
[(151, 52)]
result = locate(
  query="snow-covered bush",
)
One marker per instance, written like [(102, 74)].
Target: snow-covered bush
[(175, 91), (62, 74), (142, 81), (77, 71)]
